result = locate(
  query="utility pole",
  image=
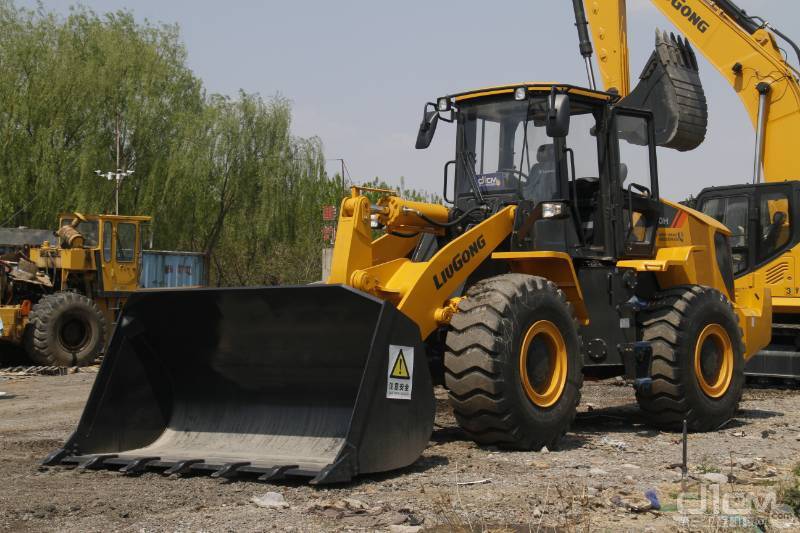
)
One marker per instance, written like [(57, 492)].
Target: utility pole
[(119, 175), (343, 167)]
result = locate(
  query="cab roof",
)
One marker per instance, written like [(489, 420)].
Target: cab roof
[(119, 218), (535, 87)]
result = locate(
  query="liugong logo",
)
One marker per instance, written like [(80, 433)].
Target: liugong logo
[(690, 14), (458, 262)]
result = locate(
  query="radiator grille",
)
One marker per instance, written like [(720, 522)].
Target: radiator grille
[(777, 273)]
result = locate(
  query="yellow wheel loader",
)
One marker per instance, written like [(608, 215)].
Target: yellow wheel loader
[(554, 260), (763, 215), (61, 302)]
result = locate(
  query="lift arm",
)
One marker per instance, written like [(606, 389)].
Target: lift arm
[(744, 51)]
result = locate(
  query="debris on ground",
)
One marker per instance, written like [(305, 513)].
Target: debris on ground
[(632, 503), (271, 500), (715, 477), (477, 482), (652, 497)]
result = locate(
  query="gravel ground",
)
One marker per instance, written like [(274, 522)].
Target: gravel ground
[(596, 481)]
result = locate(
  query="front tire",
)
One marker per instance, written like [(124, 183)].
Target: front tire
[(513, 363), (698, 359), (65, 329)]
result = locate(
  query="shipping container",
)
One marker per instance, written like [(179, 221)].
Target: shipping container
[(162, 269)]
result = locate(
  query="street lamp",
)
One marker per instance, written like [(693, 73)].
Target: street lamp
[(117, 176)]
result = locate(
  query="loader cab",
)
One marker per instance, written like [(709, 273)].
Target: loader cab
[(765, 223), (115, 243), (589, 190)]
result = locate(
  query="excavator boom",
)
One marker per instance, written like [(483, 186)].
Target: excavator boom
[(742, 48)]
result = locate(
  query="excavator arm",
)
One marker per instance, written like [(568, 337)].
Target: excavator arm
[(743, 50)]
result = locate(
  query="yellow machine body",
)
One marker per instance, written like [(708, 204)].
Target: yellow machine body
[(100, 258), (381, 267), (333, 380), (748, 56)]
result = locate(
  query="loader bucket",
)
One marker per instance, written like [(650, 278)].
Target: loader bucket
[(266, 382), (670, 87)]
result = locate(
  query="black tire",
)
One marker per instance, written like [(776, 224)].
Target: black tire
[(673, 325), (65, 329), (482, 362)]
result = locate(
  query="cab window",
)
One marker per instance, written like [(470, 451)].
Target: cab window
[(502, 146), (582, 147), (732, 213), (774, 224), (636, 178), (107, 240), (126, 241), (87, 228)]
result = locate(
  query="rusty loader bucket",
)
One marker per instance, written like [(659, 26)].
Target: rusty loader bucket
[(320, 381)]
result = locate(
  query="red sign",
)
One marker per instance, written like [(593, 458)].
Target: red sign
[(328, 213)]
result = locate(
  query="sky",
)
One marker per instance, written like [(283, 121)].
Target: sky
[(358, 72)]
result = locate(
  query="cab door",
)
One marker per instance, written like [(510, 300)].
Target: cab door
[(120, 256), (634, 182)]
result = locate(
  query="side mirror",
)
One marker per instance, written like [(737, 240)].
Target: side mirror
[(558, 114), (427, 129)]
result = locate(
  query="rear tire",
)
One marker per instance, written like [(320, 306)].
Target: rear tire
[(500, 393), (65, 329), (698, 359)]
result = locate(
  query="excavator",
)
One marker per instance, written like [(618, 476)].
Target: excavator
[(764, 211), (553, 258)]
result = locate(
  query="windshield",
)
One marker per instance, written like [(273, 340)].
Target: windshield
[(503, 145), (88, 229)]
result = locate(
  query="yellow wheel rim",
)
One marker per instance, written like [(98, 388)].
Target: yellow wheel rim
[(713, 361), (543, 364)]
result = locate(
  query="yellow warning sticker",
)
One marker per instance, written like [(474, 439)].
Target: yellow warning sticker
[(400, 374), (400, 368)]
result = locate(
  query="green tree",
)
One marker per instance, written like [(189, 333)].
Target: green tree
[(220, 175)]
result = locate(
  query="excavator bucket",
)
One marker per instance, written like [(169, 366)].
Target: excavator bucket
[(319, 381), (670, 87)]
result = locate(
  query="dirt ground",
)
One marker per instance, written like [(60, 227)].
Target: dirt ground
[(596, 481)]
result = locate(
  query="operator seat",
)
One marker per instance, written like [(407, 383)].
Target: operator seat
[(542, 183)]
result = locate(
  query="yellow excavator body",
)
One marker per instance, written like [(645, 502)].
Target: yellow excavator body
[(745, 50)]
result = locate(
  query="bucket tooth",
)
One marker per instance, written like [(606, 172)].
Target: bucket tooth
[(181, 467), (96, 461), (53, 458), (229, 470), (137, 466), (276, 473)]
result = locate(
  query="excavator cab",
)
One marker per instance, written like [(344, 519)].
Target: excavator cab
[(765, 223)]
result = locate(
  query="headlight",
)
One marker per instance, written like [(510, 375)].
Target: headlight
[(521, 93), (443, 104), (552, 210)]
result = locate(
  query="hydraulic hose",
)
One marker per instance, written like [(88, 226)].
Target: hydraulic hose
[(452, 223)]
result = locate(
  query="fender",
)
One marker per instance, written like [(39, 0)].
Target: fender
[(555, 266)]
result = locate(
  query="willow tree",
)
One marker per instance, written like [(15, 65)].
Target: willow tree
[(219, 175)]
